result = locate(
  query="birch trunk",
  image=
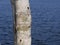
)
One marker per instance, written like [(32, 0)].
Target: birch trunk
[(23, 22)]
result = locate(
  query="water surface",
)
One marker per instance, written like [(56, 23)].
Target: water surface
[(45, 22)]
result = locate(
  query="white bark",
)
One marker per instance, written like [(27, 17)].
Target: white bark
[(23, 21)]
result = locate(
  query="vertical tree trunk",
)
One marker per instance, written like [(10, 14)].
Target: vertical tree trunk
[(22, 22)]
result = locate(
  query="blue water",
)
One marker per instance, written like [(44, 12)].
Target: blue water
[(6, 23), (45, 22)]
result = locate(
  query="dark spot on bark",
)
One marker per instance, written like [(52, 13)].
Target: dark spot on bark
[(27, 7), (29, 26), (20, 40)]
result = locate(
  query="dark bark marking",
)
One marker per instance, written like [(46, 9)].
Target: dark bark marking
[(27, 7)]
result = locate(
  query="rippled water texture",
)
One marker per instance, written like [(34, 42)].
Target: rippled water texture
[(45, 22)]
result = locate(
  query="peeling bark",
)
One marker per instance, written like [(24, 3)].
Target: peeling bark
[(22, 22)]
